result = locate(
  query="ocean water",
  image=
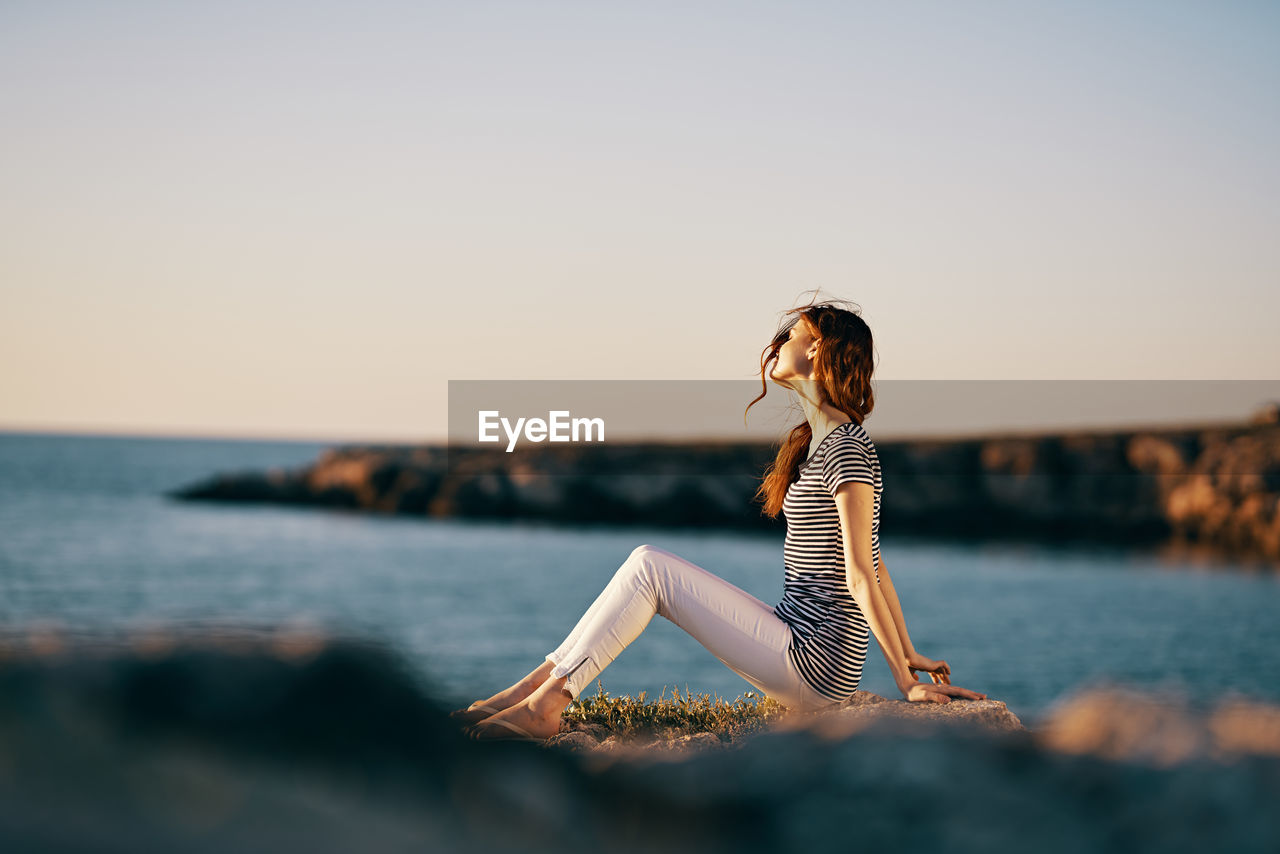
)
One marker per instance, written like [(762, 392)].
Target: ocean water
[(88, 541)]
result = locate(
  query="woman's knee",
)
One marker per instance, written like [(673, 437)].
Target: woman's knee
[(637, 565), (643, 551), (642, 558)]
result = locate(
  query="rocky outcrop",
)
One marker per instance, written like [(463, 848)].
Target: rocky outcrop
[(865, 710), (303, 743), (1112, 722), (1215, 487)]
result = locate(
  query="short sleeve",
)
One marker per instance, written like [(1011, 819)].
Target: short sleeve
[(847, 460)]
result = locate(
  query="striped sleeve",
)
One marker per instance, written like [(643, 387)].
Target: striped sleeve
[(847, 461)]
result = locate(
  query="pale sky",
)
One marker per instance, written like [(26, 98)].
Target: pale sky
[(304, 219)]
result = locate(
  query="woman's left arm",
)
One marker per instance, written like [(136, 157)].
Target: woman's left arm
[(891, 597), (855, 503)]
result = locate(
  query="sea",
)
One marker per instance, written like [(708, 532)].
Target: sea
[(91, 544)]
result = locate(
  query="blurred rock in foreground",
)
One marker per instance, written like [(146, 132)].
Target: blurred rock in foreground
[(281, 743)]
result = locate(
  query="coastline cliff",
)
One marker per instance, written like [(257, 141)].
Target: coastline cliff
[(1209, 487)]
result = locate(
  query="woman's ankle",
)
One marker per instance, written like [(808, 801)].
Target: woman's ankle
[(550, 696), (522, 690)]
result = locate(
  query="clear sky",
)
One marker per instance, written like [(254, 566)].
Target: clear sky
[(303, 219)]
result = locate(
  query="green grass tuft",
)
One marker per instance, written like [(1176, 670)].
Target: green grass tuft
[(681, 714)]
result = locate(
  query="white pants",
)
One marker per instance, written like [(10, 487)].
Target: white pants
[(739, 629)]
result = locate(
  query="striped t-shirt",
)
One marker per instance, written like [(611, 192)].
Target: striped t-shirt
[(829, 634)]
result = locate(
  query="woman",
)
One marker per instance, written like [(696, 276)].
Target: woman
[(808, 651)]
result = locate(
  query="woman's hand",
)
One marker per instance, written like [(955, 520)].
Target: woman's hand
[(940, 671), (922, 692)]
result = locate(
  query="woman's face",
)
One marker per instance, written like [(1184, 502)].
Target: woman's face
[(795, 357)]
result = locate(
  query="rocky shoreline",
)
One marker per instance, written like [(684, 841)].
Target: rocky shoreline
[(1214, 488)]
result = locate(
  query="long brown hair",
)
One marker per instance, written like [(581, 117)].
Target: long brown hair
[(842, 370)]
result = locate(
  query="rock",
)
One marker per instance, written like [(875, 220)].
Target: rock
[(1156, 455), (613, 742), (573, 741), (696, 741), (866, 709), (598, 732), (1117, 723), (1268, 413), (272, 743), (862, 711)]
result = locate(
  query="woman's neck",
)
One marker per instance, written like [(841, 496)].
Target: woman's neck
[(822, 418), (821, 415)]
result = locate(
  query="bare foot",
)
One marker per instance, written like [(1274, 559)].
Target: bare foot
[(481, 709), (476, 712), (539, 714), (538, 725)]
